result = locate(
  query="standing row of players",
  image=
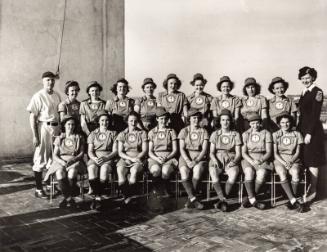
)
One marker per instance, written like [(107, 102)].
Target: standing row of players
[(248, 114)]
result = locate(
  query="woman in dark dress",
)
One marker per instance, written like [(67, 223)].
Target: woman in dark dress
[(310, 126)]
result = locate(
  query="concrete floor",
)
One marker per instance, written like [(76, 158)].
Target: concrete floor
[(30, 224)]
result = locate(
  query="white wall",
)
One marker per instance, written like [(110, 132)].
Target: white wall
[(239, 38)]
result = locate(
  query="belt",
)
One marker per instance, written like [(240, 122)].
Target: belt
[(52, 123)]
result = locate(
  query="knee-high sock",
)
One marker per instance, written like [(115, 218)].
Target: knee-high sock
[(124, 189), (72, 182), (38, 180), (64, 187), (287, 189), (102, 186), (195, 183), (95, 185), (258, 185), (228, 188), (295, 186), (156, 183), (188, 188), (218, 190), (249, 188)]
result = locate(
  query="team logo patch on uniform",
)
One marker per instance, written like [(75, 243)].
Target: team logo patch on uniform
[(68, 142), (286, 141), (74, 107), (150, 103), (122, 104), (194, 136), (102, 136), (170, 98), (279, 105), (161, 135), (250, 103), (94, 106), (319, 96), (225, 140), (255, 138), (225, 104), (131, 138), (199, 100)]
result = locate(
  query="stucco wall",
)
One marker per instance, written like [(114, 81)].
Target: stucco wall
[(92, 49)]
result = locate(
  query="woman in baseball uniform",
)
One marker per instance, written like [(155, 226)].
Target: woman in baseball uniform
[(253, 102), (102, 150), (71, 105), (146, 105), (256, 151), (200, 100), (90, 107), (225, 156), (162, 152), (132, 150), (174, 101), (67, 160), (287, 144), (193, 141), (225, 101), (310, 126), (279, 103), (120, 106)]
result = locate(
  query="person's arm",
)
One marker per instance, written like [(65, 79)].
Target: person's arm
[(61, 115), (152, 154), (203, 152), (277, 156), (122, 153), (238, 154), (237, 113), (174, 151), (91, 153), (296, 154), (144, 151), (183, 151), (246, 156), (84, 125), (268, 152), (57, 158), (212, 155), (33, 124), (184, 116)]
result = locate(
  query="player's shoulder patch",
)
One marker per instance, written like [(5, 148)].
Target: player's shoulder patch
[(319, 96)]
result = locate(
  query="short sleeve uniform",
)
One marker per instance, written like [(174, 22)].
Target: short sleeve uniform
[(256, 146), (45, 107), (174, 104), (103, 143), (309, 123), (90, 110), (132, 144), (225, 144), (287, 144), (162, 145), (119, 109), (277, 107), (201, 103), (250, 105), (69, 147), (148, 108), (193, 143), (230, 103)]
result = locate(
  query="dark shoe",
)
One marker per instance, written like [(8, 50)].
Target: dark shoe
[(63, 203), (75, 191), (223, 206), (40, 194), (246, 203), (259, 205), (197, 204), (72, 203), (95, 205), (298, 206)]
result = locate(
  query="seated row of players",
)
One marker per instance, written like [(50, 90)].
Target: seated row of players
[(177, 104), (134, 147)]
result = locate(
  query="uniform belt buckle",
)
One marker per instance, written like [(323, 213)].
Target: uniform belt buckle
[(52, 123)]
